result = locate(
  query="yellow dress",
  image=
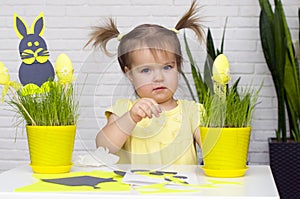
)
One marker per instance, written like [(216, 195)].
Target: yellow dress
[(168, 139)]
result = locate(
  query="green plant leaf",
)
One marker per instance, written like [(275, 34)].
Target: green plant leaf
[(266, 7), (210, 45), (267, 41), (235, 86), (208, 73), (280, 57), (291, 75), (210, 57), (271, 31), (280, 43), (201, 87), (223, 37), (188, 85)]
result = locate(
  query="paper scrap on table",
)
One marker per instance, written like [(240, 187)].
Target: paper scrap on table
[(97, 158), (152, 184), (136, 179), (152, 177)]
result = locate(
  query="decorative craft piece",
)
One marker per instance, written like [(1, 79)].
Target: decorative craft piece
[(225, 126), (50, 120), (64, 69), (6, 82), (80, 181), (142, 181), (93, 181), (36, 67)]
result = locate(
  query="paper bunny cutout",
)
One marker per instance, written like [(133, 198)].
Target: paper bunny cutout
[(36, 67)]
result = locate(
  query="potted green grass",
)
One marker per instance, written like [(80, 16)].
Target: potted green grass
[(226, 122), (50, 113), (281, 60)]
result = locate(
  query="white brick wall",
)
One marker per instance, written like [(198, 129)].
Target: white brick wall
[(68, 25)]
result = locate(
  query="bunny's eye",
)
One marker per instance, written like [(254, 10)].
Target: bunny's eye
[(29, 44), (36, 43)]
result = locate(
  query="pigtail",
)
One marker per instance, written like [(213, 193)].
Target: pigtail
[(192, 21), (102, 34)]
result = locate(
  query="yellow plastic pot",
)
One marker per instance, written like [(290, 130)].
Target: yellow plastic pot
[(225, 151), (51, 148)]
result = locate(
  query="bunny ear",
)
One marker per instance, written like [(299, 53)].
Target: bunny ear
[(38, 25), (20, 26)]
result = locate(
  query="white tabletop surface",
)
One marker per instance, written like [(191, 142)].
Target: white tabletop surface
[(257, 183)]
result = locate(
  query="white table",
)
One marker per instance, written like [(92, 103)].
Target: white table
[(258, 183)]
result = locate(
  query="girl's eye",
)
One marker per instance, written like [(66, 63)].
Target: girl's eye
[(145, 70), (168, 67)]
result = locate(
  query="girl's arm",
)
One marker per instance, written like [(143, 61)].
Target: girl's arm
[(115, 132), (197, 136), (118, 129)]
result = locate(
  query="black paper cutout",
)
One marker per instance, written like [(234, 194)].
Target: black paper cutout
[(180, 177), (154, 172), (162, 172), (80, 181), (120, 173), (139, 170)]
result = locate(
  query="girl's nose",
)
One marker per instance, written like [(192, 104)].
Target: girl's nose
[(158, 76)]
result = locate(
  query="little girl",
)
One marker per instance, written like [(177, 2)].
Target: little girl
[(155, 128)]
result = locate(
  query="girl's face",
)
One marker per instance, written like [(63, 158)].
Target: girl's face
[(153, 76)]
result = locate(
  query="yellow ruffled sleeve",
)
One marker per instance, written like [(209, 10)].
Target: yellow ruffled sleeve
[(120, 107)]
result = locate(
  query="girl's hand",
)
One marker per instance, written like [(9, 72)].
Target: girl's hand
[(144, 107)]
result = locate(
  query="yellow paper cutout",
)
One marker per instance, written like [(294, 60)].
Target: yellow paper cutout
[(35, 56), (173, 186), (42, 186), (161, 188), (224, 182), (31, 89)]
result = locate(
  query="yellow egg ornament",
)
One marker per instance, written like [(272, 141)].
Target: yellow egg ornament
[(5, 81), (4, 75), (221, 75), (221, 70), (64, 69)]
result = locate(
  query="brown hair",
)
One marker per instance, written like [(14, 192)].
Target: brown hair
[(150, 36)]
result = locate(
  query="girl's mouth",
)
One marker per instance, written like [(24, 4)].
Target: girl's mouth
[(159, 88)]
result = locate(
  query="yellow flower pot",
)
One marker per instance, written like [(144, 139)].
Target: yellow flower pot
[(51, 148), (225, 151)]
